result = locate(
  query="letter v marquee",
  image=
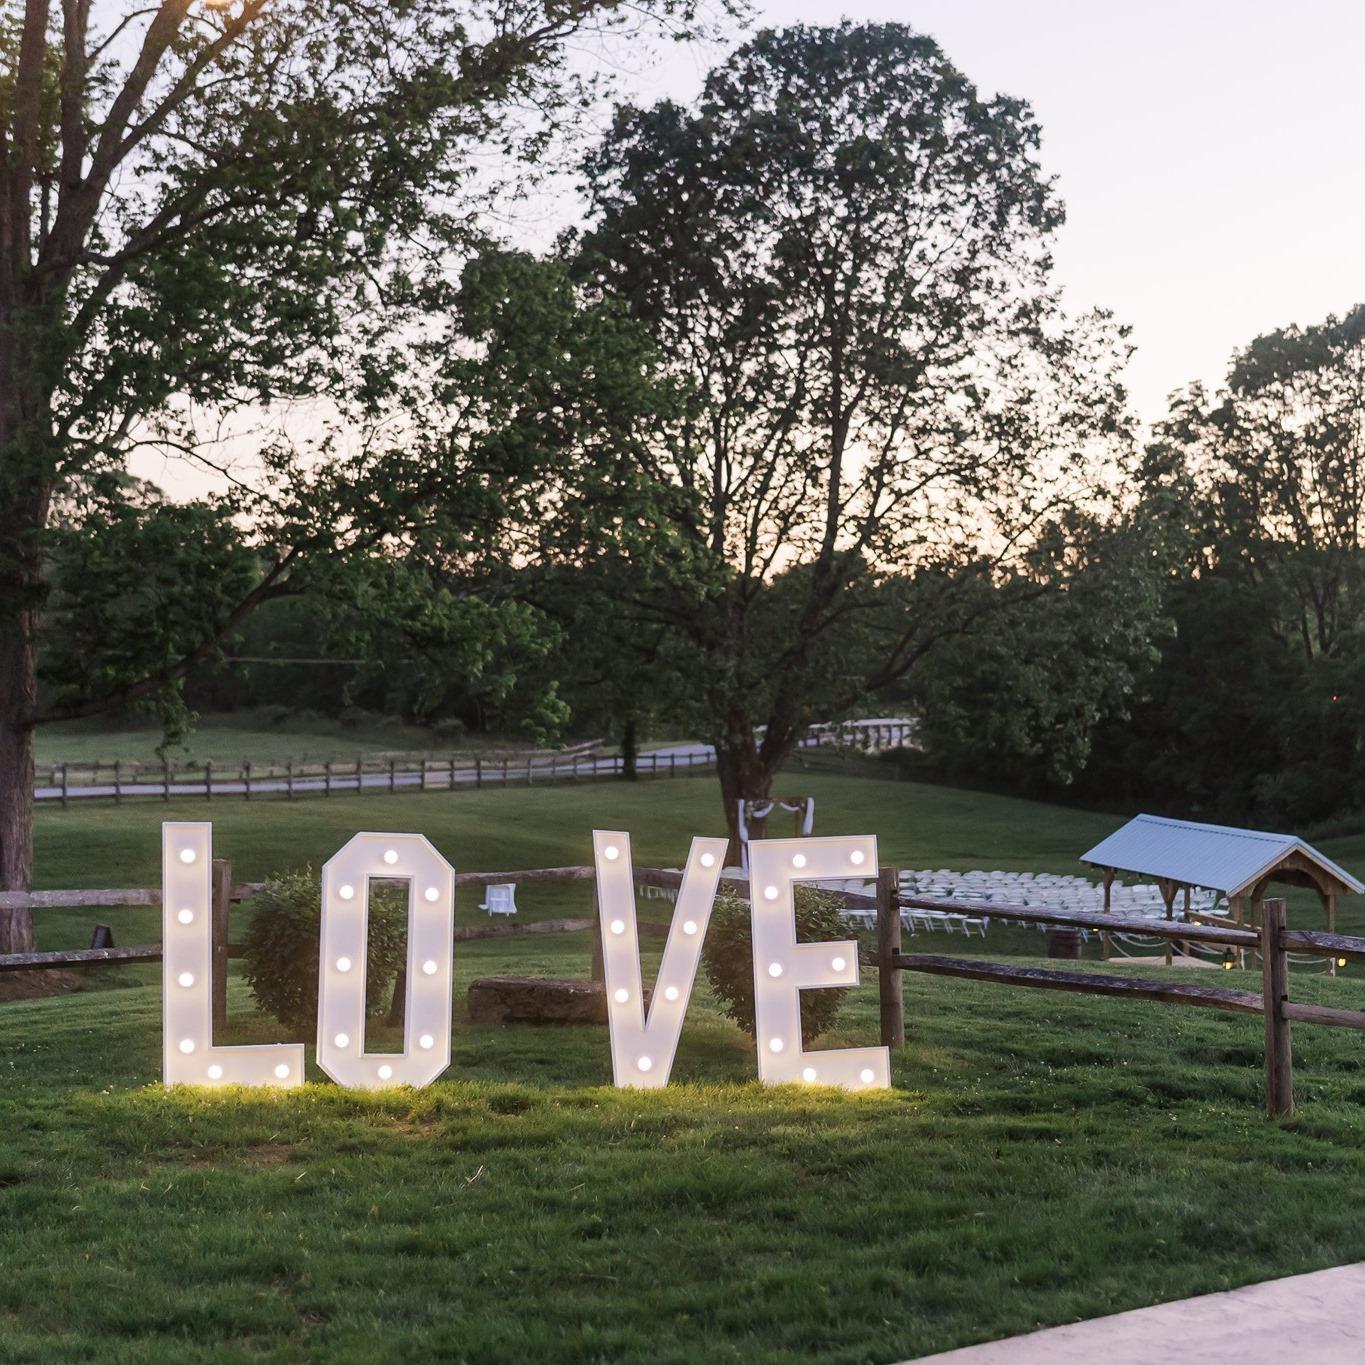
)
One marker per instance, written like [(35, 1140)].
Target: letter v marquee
[(642, 1047)]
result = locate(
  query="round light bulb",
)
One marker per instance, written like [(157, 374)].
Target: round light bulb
[(282, 1071), (775, 1045), (186, 855), (770, 893), (186, 979), (690, 926), (866, 1076), (837, 963), (611, 853), (186, 916), (645, 1063), (857, 857), (622, 996), (390, 856), (187, 1046), (343, 964), (342, 1040), (808, 1074), (708, 860), (618, 926), (215, 1072), (671, 993), (426, 1042), (429, 967), (346, 892), (774, 969), (798, 860), (385, 1072), (432, 893)]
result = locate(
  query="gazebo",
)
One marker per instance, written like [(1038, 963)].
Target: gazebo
[(1237, 863)]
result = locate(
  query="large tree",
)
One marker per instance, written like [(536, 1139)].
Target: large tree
[(207, 208), (843, 251)]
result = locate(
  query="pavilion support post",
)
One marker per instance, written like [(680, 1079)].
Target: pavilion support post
[(1106, 941), (1168, 895)]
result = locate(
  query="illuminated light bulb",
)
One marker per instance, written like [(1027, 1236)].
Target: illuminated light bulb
[(808, 1074), (645, 1063), (390, 856), (690, 926), (671, 993), (429, 967), (775, 1045), (775, 969), (343, 964), (866, 1076), (215, 1072), (385, 1072), (856, 857), (798, 860), (770, 893), (838, 964), (618, 926), (708, 860), (426, 1042), (346, 892), (611, 853), (187, 1046), (186, 979), (432, 894), (622, 996), (1341, 962), (186, 917), (282, 1071), (342, 1040), (186, 855)]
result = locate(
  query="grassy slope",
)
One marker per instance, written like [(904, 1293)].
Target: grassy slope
[(1041, 1157)]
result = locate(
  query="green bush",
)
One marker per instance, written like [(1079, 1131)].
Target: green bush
[(728, 957), (282, 948)]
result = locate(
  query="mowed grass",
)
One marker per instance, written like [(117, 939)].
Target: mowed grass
[(1041, 1157)]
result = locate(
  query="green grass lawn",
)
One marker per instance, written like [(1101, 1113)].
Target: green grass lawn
[(1040, 1159)]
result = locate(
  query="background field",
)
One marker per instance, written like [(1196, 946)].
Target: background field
[(1041, 1158)]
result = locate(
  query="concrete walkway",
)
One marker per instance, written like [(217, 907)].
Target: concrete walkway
[(1302, 1320)]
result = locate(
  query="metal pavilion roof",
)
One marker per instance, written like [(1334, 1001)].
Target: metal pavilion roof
[(1218, 857)]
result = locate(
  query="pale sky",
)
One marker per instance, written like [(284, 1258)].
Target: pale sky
[(1211, 154)]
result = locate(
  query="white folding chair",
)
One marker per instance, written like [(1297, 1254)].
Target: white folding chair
[(500, 899)]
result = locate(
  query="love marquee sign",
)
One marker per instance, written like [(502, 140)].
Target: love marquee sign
[(643, 1041)]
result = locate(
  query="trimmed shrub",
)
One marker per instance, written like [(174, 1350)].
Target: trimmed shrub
[(282, 948), (728, 957)]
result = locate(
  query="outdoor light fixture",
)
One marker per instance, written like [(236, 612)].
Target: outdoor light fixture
[(783, 967), (189, 1056), (345, 929), (643, 1046)]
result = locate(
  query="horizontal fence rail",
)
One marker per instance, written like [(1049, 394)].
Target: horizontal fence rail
[(1272, 940)]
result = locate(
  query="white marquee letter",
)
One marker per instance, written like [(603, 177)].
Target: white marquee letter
[(642, 1049), (189, 1056), (783, 967), (341, 969)]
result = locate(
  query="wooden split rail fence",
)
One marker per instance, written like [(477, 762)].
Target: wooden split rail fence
[(1273, 941)]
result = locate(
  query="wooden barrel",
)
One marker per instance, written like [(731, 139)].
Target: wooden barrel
[(1064, 943)]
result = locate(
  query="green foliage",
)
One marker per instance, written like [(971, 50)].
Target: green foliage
[(728, 957), (281, 959)]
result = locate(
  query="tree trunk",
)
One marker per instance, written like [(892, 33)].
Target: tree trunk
[(18, 697), (743, 776), (630, 749)]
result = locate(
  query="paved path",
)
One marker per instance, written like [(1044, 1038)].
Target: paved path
[(1301, 1320)]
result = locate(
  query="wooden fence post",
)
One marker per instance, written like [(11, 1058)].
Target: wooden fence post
[(393, 768), (289, 777), (327, 778), (1279, 1058), (118, 791), (63, 786), (208, 779), (246, 779), (478, 772), (451, 784), (218, 939), (890, 984)]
